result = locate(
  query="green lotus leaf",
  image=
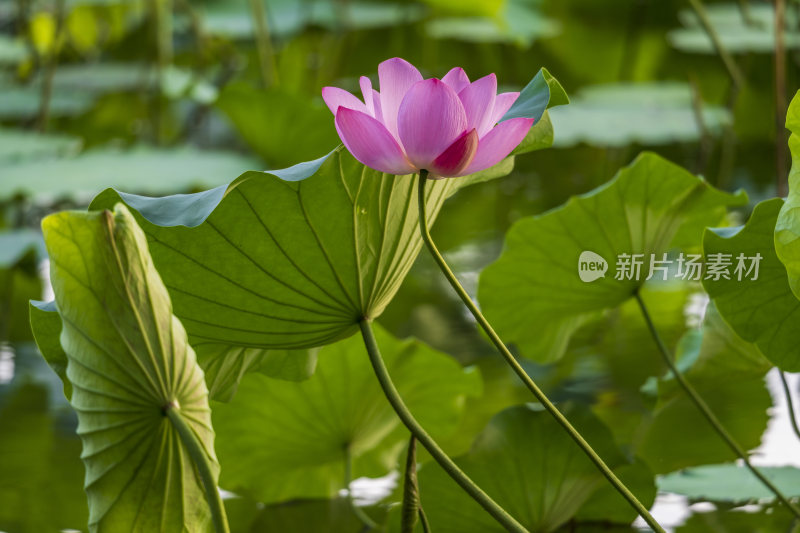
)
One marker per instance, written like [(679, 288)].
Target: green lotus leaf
[(279, 440), (787, 228), (287, 259), (128, 361), (529, 465), (617, 115), (763, 310), (728, 373), (533, 293), (740, 30), (224, 366)]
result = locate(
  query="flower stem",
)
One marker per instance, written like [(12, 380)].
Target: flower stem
[(198, 455), (517, 368), (730, 64), (50, 62), (469, 486), (706, 411), (423, 518), (789, 403)]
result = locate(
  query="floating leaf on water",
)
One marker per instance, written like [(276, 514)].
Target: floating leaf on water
[(141, 169), (19, 103), (644, 113), (17, 145), (737, 33), (731, 483)]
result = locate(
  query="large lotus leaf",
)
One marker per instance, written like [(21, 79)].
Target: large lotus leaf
[(740, 30), (280, 440), (617, 115), (613, 357), (533, 294), (128, 361), (143, 170), (731, 483), (762, 310), (531, 467), (40, 470), (787, 228), (728, 373), (286, 259)]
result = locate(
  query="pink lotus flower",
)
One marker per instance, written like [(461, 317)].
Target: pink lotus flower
[(448, 126)]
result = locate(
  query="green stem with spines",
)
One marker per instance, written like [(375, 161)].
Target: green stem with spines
[(458, 475), (706, 411), (201, 462), (519, 371)]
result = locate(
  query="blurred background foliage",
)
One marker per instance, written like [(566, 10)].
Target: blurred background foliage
[(169, 96)]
